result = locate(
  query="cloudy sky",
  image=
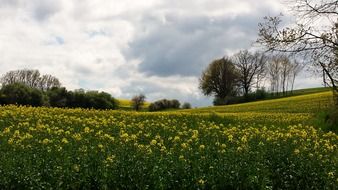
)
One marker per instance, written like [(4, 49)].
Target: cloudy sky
[(155, 47)]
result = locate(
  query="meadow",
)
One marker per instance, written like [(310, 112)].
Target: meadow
[(271, 144)]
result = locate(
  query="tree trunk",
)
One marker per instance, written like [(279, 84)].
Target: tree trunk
[(293, 82)]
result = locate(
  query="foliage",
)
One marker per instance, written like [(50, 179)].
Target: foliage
[(58, 97), (21, 94), (186, 105), (52, 148), (164, 104), (89, 99), (220, 79)]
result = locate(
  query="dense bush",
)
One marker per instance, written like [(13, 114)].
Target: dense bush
[(164, 104), (260, 94), (220, 101), (57, 97), (22, 94), (186, 105)]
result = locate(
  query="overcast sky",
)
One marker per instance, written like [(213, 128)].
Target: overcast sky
[(155, 47)]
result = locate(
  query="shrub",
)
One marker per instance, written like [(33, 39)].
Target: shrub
[(164, 104), (186, 105), (21, 94)]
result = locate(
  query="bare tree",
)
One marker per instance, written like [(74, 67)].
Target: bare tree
[(285, 66), (296, 68), (314, 35), (30, 78), (274, 73), (138, 101), (249, 65), (261, 71), (48, 81)]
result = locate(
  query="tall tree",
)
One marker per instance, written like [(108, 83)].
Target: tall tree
[(250, 67), (297, 67), (314, 35), (274, 74), (285, 66), (31, 78), (220, 79), (47, 82)]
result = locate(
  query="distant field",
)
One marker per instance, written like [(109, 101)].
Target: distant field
[(309, 91), (309, 103), (282, 112), (125, 104)]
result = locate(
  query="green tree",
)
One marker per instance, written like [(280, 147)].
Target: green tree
[(100, 100), (186, 105), (58, 97), (220, 79), (21, 94)]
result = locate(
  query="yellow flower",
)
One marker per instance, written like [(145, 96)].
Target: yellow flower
[(330, 174), (110, 158), (230, 137), (195, 134), (181, 157), (64, 140), (86, 129), (10, 141), (184, 145), (202, 147), (176, 138), (201, 182), (239, 149), (77, 136), (153, 142), (76, 168), (7, 130), (296, 151), (45, 141)]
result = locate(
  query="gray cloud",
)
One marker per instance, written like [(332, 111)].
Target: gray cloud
[(184, 45), (43, 9)]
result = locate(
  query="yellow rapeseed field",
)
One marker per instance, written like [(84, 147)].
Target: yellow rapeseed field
[(52, 148)]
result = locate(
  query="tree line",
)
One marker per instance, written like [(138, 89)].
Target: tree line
[(30, 88), (237, 76)]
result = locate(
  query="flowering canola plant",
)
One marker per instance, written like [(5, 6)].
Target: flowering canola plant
[(54, 148)]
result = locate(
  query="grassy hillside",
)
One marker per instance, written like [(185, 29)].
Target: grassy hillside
[(300, 109), (309, 103), (310, 91)]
